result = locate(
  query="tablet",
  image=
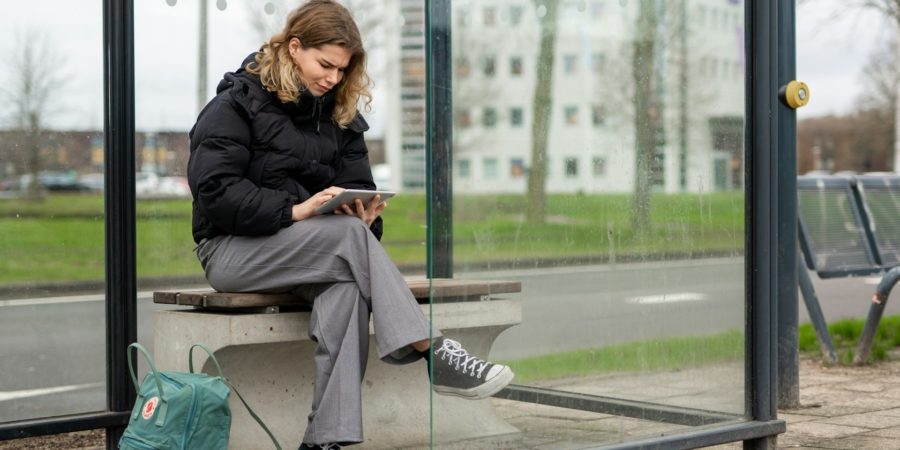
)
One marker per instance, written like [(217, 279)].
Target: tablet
[(348, 196)]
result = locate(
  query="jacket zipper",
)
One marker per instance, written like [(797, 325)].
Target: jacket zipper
[(318, 113)]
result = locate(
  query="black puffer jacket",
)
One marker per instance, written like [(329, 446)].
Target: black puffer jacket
[(253, 157)]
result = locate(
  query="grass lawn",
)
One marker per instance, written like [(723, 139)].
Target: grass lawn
[(61, 237), (653, 355), (845, 335), (687, 352)]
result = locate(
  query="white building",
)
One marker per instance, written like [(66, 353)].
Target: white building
[(699, 88)]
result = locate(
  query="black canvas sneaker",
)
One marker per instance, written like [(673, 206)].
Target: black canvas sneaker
[(460, 374)]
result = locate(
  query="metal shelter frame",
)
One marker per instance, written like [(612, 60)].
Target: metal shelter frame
[(769, 60)]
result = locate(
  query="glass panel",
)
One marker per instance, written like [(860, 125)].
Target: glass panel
[(606, 176), (51, 210), (168, 95)]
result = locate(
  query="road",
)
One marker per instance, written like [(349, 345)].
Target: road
[(53, 348)]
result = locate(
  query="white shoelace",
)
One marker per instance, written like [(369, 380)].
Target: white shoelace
[(459, 357), (329, 446)]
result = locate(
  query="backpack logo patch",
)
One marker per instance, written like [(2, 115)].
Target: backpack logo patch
[(149, 408)]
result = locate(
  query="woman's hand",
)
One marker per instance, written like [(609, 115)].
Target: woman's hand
[(307, 209), (366, 213)]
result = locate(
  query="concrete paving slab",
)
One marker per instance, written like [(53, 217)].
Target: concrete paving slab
[(867, 420), (835, 415), (824, 430), (860, 442), (796, 418), (889, 412), (893, 433)]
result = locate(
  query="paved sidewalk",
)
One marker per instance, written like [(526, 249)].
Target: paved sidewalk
[(854, 408), (844, 408)]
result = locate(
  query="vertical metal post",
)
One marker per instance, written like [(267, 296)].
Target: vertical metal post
[(762, 214), (683, 96), (119, 206), (788, 390), (815, 316), (439, 139), (202, 51)]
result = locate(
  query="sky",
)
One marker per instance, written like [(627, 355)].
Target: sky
[(834, 43), (833, 46)]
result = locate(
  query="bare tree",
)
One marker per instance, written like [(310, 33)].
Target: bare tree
[(880, 78), (890, 8), (647, 112), (36, 80), (543, 103)]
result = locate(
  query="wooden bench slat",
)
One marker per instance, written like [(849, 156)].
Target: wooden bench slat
[(441, 288), (444, 287)]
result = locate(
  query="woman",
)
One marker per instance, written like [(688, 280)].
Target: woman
[(282, 137)]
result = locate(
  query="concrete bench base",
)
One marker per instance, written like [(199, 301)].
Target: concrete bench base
[(269, 358)]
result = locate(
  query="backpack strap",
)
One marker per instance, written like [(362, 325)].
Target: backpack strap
[(233, 388), (163, 408)]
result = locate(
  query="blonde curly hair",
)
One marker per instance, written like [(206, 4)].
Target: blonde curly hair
[(316, 23)]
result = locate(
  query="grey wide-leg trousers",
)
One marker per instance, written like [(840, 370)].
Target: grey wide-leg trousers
[(337, 263)]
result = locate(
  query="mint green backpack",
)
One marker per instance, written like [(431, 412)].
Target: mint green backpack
[(177, 410)]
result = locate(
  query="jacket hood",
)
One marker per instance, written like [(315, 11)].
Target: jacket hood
[(248, 90)]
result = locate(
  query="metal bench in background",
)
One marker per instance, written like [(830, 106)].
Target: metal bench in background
[(849, 226)]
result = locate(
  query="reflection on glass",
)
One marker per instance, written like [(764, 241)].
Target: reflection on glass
[(605, 173), (51, 210)]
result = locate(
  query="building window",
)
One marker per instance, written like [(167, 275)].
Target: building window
[(598, 115), (516, 168), (490, 168), (515, 15), (489, 117), (462, 67), (701, 15), (571, 166), (571, 114), (464, 168), (598, 166), (463, 18), (570, 64), (489, 66), (463, 118), (515, 65), (598, 62), (597, 10), (516, 116), (490, 16)]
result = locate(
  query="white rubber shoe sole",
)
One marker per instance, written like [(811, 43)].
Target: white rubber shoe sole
[(485, 390)]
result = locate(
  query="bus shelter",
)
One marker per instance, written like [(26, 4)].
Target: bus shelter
[(625, 162)]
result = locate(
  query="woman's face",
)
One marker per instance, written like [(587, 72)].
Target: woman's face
[(321, 68)]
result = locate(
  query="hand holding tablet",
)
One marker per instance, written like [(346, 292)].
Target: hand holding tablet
[(348, 196)]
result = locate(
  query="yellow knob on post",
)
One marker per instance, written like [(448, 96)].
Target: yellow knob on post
[(795, 94)]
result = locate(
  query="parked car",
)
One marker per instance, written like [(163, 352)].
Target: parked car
[(146, 183), (93, 182), (173, 187)]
